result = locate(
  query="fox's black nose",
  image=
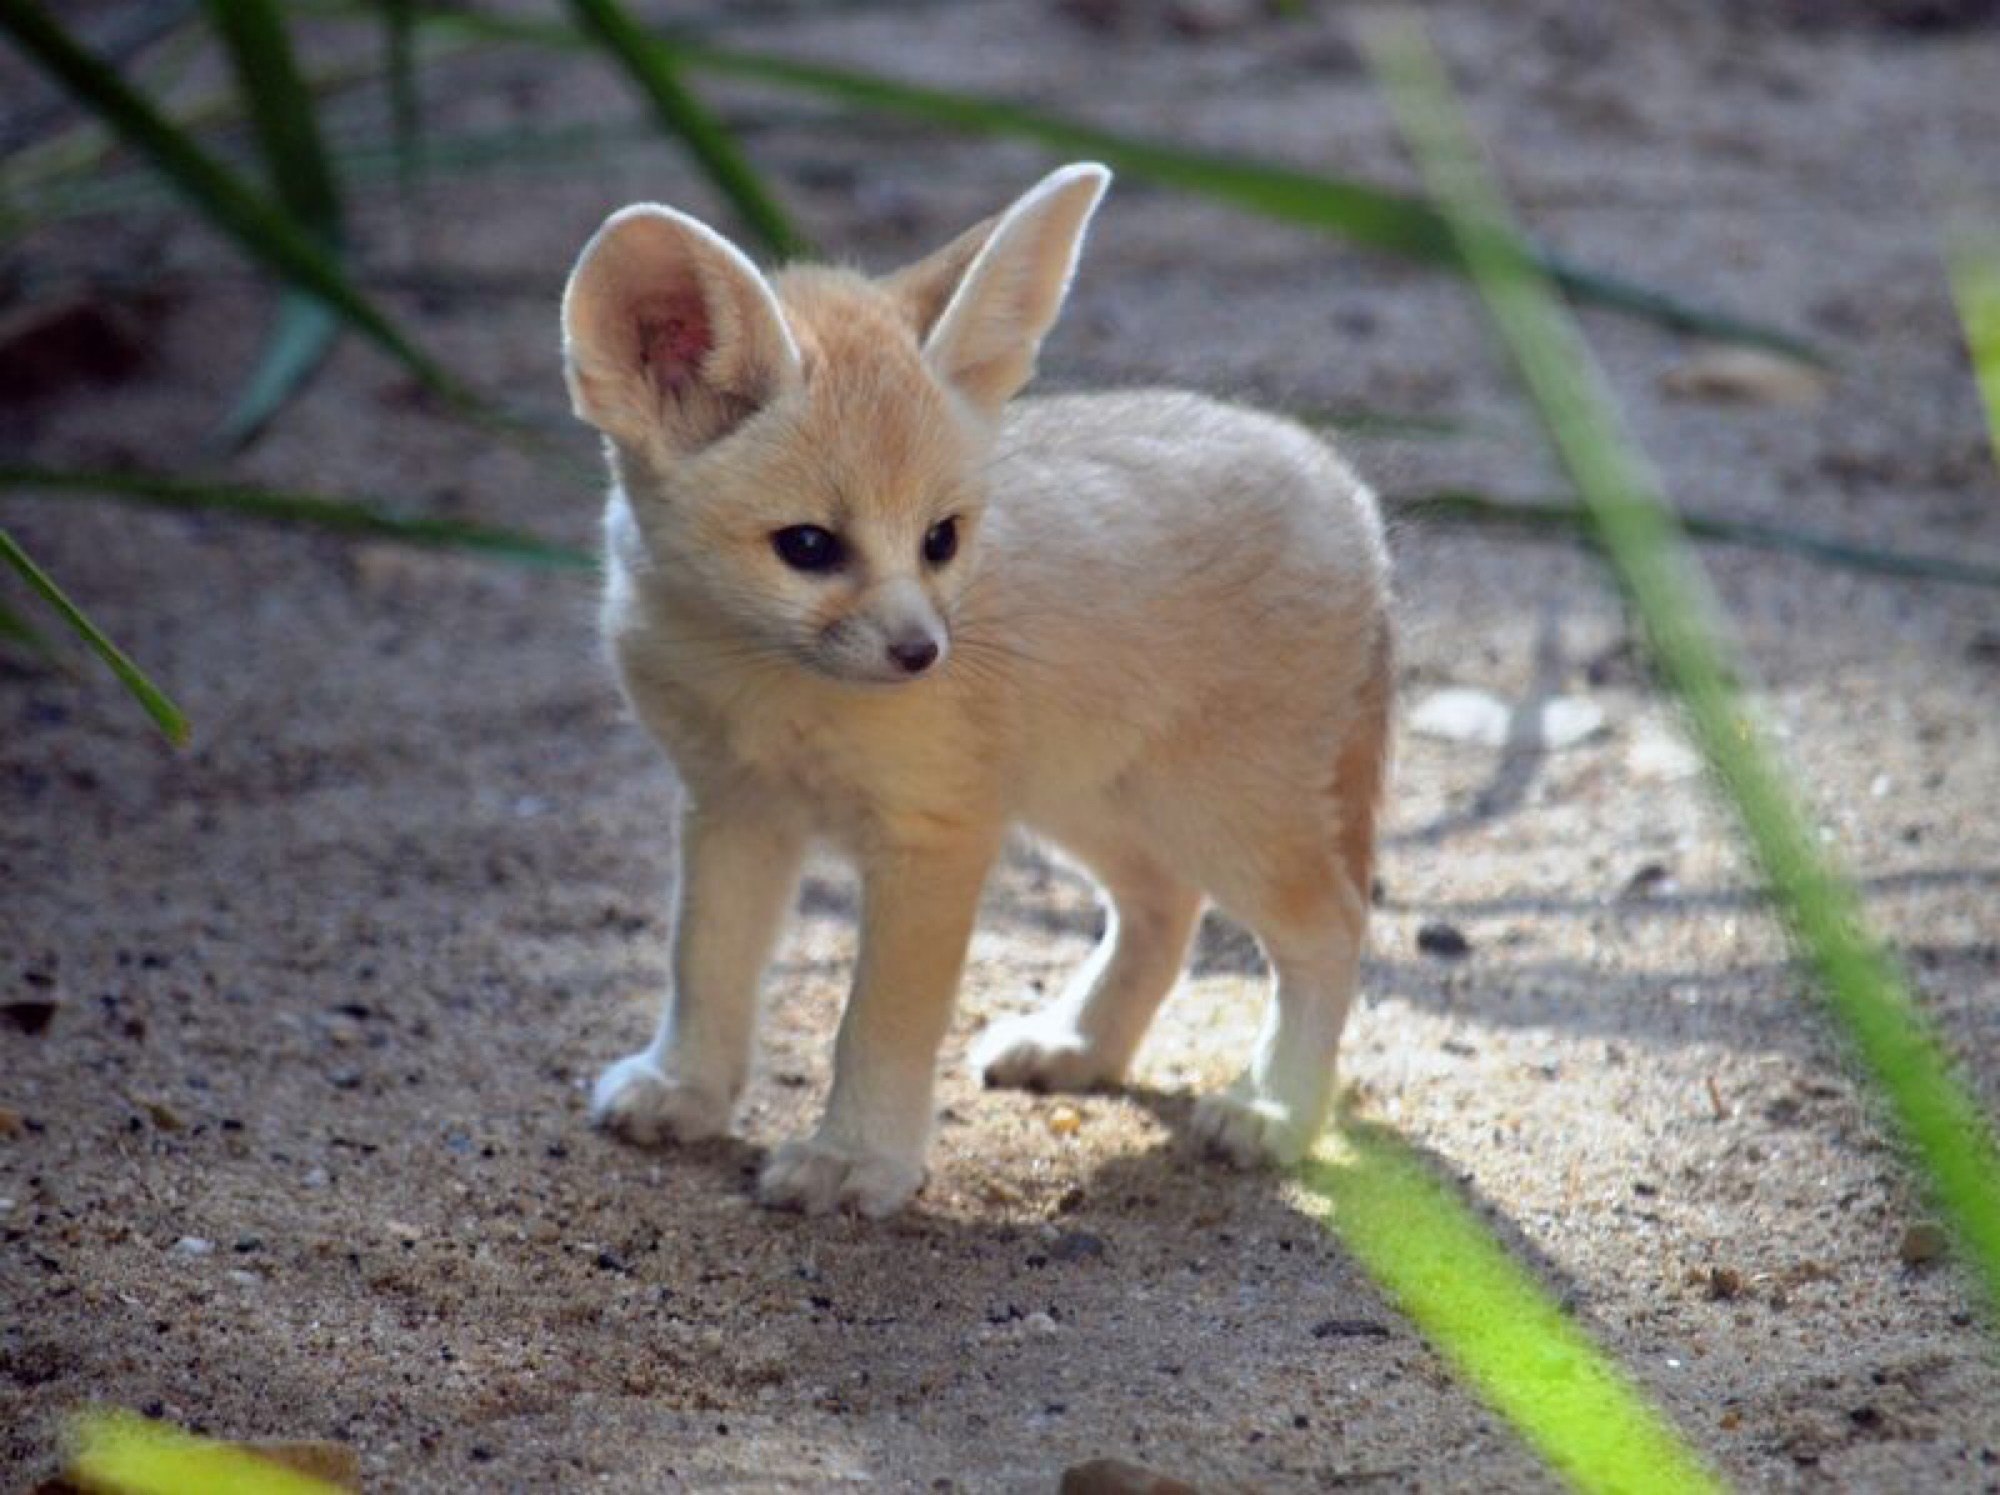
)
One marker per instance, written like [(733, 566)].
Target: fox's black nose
[(914, 656)]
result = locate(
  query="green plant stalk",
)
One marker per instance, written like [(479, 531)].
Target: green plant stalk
[(652, 68), (133, 1455), (1951, 1140), (1442, 1267), (345, 515), (165, 714), (302, 179), (1466, 505), (281, 112), (1369, 215), (265, 233), (1973, 254)]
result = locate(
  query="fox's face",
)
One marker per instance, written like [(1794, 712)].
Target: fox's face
[(804, 457)]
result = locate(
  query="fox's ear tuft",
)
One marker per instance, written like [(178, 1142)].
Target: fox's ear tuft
[(671, 337), (984, 302)]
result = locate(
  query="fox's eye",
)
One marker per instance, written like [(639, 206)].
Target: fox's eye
[(941, 542), (807, 547)]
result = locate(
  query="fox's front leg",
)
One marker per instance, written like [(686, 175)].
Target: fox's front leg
[(868, 1153), (738, 871)]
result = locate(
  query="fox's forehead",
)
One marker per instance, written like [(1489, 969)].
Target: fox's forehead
[(875, 423)]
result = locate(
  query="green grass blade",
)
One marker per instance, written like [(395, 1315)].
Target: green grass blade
[(1973, 253), (264, 232), (1952, 1142), (652, 68), (281, 113), (139, 1456), (399, 38), (1570, 517), (300, 340), (1499, 1327), (370, 517), (1368, 214), (165, 714)]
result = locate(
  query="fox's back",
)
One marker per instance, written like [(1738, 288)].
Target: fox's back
[(1158, 564)]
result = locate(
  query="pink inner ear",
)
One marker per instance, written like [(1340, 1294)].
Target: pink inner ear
[(674, 338)]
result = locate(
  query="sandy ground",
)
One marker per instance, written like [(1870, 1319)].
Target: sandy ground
[(303, 1152)]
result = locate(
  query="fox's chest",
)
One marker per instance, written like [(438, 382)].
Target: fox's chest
[(849, 761)]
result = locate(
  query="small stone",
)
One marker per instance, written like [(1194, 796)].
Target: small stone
[(164, 1116), (1041, 1325), (398, 1230), (1445, 941), (1922, 1243), (1723, 1284), (1744, 376), (30, 1015), (1350, 1328), (1649, 880), (1065, 1120), (1656, 756), (12, 1122), (1076, 1245), (192, 1245), (1120, 1477), (1481, 719)]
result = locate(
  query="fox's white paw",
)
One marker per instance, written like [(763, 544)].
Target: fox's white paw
[(635, 1100), (1250, 1133), (818, 1178), (1037, 1052)]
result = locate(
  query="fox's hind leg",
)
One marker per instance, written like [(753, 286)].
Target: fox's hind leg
[(1309, 908), (1276, 1107), (1087, 1036)]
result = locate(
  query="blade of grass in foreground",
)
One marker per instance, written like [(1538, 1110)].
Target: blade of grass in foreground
[(116, 1451), (261, 230), (344, 515), (295, 159), (652, 68), (1952, 1141), (288, 138), (164, 713), (1370, 215), (1443, 1268), (1465, 506), (1973, 253)]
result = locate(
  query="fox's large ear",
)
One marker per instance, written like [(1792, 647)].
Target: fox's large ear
[(993, 293), (671, 337)]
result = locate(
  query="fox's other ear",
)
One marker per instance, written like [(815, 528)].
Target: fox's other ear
[(671, 337), (997, 288)]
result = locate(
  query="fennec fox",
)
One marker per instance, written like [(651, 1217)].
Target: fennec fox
[(862, 599)]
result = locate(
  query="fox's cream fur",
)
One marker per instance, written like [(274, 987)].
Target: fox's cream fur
[(1155, 633)]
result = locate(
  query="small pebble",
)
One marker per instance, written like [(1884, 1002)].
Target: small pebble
[(1350, 1329), (192, 1245), (1041, 1325), (12, 1122), (1065, 1121), (1445, 941), (1923, 1242), (1076, 1245), (30, 1014), (1118, 1477), (164, 1116)]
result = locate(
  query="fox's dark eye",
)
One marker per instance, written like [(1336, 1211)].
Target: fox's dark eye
[(941, 542), (807, 547)]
